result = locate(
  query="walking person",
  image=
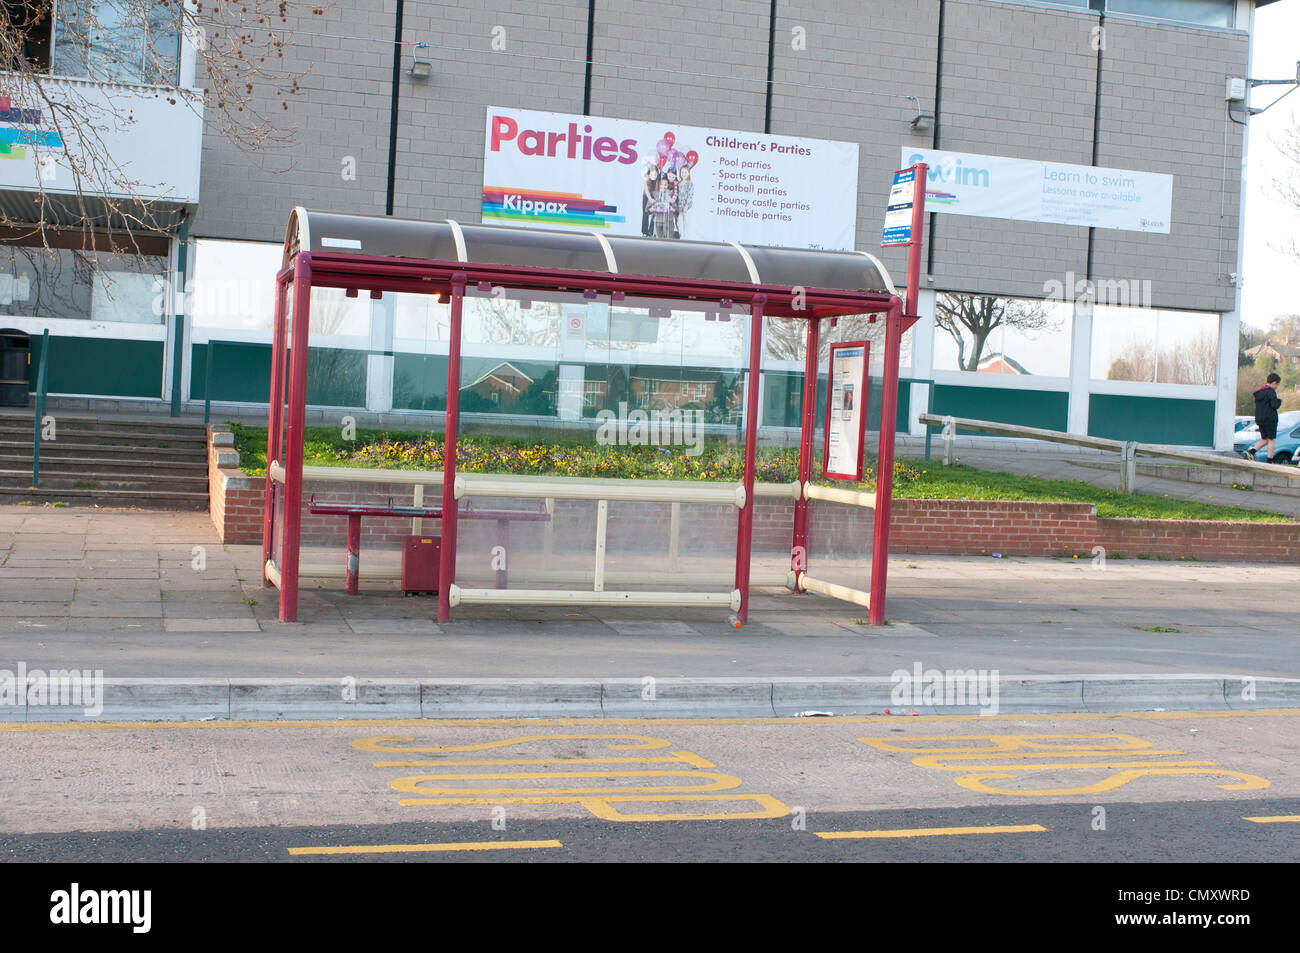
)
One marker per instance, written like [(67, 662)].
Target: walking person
[(1266, 404)]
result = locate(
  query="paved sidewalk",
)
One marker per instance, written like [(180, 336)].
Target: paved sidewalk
[(119, 591)]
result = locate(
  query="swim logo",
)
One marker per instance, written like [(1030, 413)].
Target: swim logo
[(950, 171)]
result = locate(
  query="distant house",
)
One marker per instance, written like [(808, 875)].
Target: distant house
[(1282, 353), (657, 393), (501, 385), (997, 363)]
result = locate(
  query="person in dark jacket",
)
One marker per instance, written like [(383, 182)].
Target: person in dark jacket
[(1266, 404)]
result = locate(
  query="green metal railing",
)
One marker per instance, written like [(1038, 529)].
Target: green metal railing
[(41, 375)]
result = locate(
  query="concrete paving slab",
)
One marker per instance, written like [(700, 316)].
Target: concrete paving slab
[(110, 609), (394, 626), (225, 624)]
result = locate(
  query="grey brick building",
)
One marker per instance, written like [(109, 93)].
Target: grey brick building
[(1129, 84)]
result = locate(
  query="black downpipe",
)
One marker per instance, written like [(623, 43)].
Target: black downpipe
[(934, 143), (771, 67), (591, 50), (392, 115), (1096, 123)]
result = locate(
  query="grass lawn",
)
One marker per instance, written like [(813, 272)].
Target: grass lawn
[(914, 479)]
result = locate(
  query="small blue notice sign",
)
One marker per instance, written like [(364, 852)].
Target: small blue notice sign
[(898, 210)]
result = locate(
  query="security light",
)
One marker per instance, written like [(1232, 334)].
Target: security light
[(923, 122), (420, 69)]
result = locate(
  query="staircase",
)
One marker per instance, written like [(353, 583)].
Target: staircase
[(106, 462)]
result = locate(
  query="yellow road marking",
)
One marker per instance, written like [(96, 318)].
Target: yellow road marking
[(603, 806), (1280, 819), (415, 783), (426, 848), (677, 757), (634, 722), (642, 742), (932, 832)]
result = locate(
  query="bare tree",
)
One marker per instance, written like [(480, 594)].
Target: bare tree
[(239, 48), (971, 318), (1287, 185), (1284, 329)]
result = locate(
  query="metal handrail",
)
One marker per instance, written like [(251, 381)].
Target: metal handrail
[(1114, 446), (41, 375)]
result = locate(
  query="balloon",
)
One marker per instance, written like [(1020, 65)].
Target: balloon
[(692, 157), (663, 147), (676, 159), (670, 138)]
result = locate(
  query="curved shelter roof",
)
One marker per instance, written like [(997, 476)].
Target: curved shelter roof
[(532, 257)]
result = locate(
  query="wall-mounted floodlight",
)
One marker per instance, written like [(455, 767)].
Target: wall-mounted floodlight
[(923, 121), (420, 69)]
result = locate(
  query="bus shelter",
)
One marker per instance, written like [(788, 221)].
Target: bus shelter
[(576, 287)]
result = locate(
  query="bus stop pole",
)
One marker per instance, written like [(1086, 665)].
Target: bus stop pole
[(451, 426), (745, 522), (807, 430), (296, 416), (274, 417), (885, 464)]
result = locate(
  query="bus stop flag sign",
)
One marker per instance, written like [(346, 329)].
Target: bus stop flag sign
[(898, 211)]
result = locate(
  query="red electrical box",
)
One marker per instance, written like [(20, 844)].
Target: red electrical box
[(420, 564)]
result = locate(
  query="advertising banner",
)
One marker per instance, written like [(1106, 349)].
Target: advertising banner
[(664, 180), (144, 145), (846, 411), (1031, 191)]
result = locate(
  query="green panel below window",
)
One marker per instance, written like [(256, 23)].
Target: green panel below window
[(1152, 419), (100, 367), (242, 373), (1048, 409)]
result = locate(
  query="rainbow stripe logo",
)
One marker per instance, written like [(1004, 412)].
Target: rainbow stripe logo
[(549, 208)]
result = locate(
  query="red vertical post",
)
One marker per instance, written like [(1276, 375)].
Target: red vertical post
[(885, 463), (274, 420), (292, 457), (745, 522), (447, 555), (354, 554), (914, 244), (807, 430)]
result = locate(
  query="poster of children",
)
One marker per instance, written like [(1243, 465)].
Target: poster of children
[(668, 192)]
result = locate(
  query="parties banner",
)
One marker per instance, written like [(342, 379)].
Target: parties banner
[(664, 180), (1031, 191)]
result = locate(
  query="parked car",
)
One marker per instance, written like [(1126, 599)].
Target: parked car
[(1288, 438), (1241, 423)]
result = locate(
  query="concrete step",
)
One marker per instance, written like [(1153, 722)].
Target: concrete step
[(51, 463), (145, 499), (92, 480), (65, 448), (121, 438)]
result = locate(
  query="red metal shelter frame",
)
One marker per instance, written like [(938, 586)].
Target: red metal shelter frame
[(306, 269)]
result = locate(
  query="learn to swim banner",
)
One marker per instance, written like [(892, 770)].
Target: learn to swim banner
[(1030, 191), (664, 180)]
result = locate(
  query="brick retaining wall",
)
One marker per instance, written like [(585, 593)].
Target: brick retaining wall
[(950, 527)]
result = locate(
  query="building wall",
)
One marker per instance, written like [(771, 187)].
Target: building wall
[(1013, 79)]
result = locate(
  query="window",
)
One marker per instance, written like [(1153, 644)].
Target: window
[(987, 334), (1202, 12), (116, 41), (1152, 346), (62, 283), (30, 24)]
